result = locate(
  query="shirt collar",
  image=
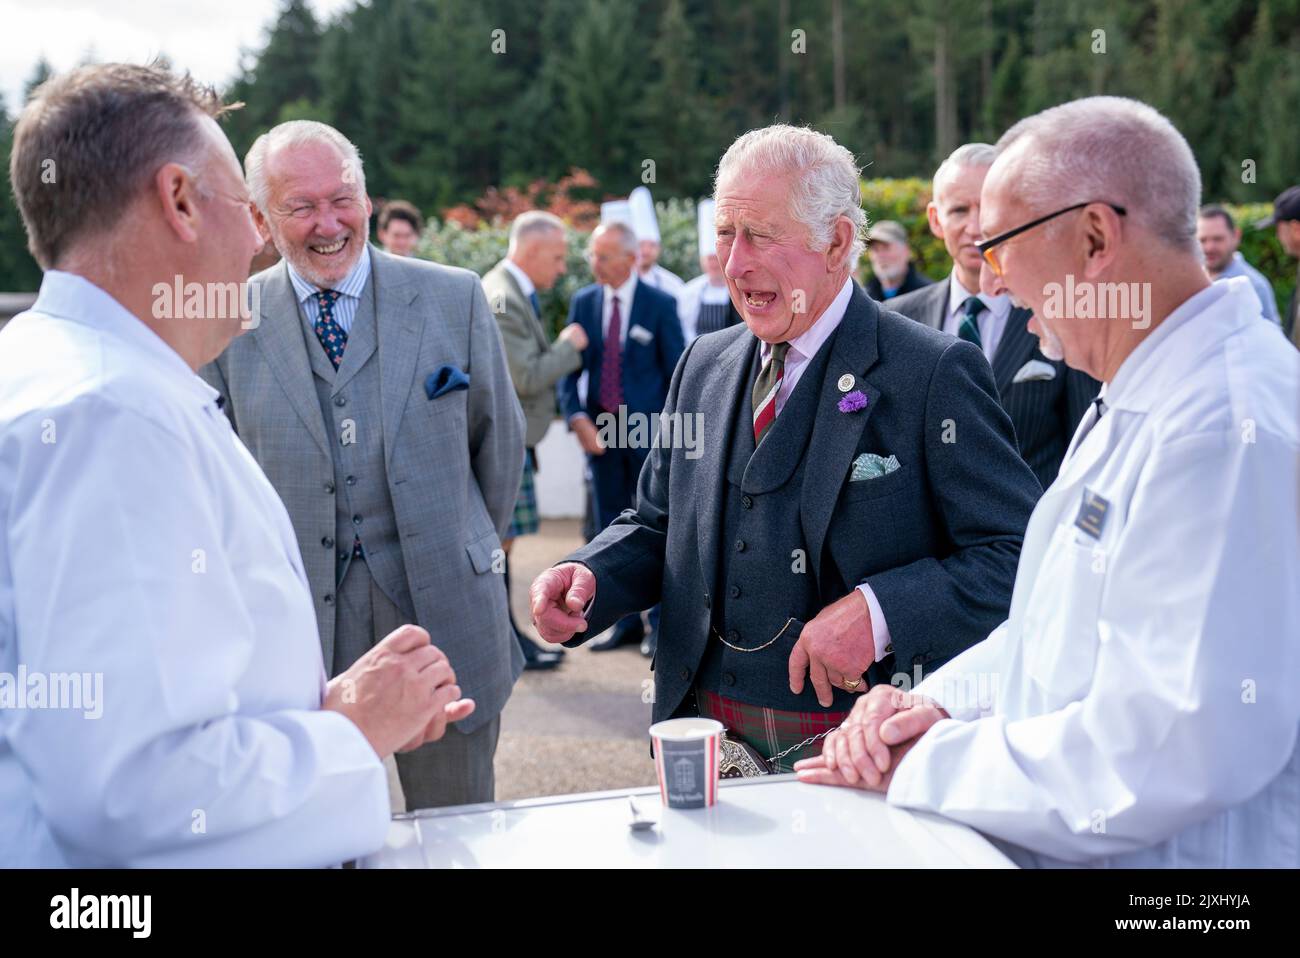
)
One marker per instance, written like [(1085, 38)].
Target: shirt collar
[(1164, 355), (526, 285), (76, 299), (624, 292), (806, 344), (352, 285), (958, 294)]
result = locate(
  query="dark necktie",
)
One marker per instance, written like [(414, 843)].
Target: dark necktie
[(766, 386), (328, 331), (1101, 406), (969, 329), (611, 362), (537, 303)]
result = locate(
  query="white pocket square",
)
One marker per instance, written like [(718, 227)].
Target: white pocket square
[(1033, 370), (641, 334)]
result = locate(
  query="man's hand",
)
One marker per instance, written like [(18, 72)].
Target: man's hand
[(836, 646), (575, 336), (865, 751), (557, 598), (587, 435), (400, 694)]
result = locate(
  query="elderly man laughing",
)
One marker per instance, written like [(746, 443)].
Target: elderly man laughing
[(1138, 706), (858, 504)]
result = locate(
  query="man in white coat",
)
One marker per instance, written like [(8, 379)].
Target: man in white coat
[(162, 696), (1139, 706)]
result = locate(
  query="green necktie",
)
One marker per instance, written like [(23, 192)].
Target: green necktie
[(969, 329)]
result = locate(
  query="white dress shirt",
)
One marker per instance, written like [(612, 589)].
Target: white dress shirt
[(349, 289), (1139, 706), (991, 323), (624, 296), (526, 285), (143, 544), (803, 348)]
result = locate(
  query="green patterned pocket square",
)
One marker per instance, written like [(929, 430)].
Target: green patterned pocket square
[(870, 466)]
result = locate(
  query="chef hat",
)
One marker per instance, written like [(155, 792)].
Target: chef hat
[(644, 221), (615, 211), (708, 235)]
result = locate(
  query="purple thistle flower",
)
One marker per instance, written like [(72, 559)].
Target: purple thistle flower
[(853, 402)]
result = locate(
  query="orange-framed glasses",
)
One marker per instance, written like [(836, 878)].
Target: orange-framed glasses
[(987, 247)]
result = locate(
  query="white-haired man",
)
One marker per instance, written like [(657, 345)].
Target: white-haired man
[(374, 393), (534, 261), (853, 504), (147, 561), (1138, 706), (1045, 399)]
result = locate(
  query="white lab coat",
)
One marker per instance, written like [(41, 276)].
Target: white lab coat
[(143, 544), (1140, 705)]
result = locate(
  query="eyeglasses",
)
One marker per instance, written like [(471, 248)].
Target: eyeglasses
[(986, 247)]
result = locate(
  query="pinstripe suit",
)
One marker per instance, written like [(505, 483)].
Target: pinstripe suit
[(445, 470), (1045, 412)]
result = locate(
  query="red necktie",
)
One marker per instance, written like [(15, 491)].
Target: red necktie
[(611, 362)]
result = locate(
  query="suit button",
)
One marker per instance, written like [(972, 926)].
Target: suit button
[(706, 600), (340, 401), (329, 488), (740, 545), (351, 480), (728, 678), (747, 502), (735, 591), (733, 636), (686, 673), (343, 554), (356, 520), (329, 598), (327, 542)]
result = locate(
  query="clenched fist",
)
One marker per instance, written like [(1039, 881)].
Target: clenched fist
[(558, 597)]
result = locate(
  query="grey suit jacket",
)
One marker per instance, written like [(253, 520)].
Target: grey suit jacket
[(453, 463), (535, 364), (1045, 412), (937, 540)]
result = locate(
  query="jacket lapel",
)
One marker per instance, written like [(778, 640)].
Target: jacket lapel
[(1015, 349), (398, 327), (835, 435), (718, 401), (280, 336), (361, 340)]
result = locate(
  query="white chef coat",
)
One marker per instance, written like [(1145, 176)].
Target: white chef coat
[(694, 294), (1140, 705), (662, 279), (142, 542)]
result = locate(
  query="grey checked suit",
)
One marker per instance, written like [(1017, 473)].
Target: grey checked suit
[(1045, 412), (427, 484)]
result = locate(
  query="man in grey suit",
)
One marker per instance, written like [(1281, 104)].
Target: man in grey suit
[(534, 261), (1045, 399), (853, 506), (373, 392)]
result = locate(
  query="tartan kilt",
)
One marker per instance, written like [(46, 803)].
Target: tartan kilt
[(525, 520), (769, 731)]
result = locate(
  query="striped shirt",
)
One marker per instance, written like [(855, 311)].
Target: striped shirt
[(345, 307)]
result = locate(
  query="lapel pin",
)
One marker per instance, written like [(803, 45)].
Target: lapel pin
[(846, 382)]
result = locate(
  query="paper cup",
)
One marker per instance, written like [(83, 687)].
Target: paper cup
[(687, 751)]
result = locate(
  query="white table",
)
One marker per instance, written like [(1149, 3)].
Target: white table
[(766, 822)]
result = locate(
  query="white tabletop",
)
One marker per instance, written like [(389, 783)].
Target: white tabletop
[(773, 821)]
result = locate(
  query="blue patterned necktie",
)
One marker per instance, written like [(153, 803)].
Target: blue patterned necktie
[(537, 303), (328, 331)]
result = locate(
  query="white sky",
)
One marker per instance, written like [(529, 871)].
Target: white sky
[(202, 36)]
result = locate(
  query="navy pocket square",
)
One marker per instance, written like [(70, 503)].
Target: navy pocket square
[(447, 379)]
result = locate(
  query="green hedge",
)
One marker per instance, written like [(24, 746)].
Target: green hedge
[(903, 200)]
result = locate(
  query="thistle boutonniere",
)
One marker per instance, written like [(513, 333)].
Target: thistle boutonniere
[(855, 401)]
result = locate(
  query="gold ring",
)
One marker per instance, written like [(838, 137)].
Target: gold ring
[(852, 685)]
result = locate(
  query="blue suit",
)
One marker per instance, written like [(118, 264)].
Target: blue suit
[(653, 345)]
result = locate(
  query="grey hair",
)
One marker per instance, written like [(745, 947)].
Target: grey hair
[(1114, 150), (626, 235), (826, 179), (295, 133), (966, 155), (531, 224)]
